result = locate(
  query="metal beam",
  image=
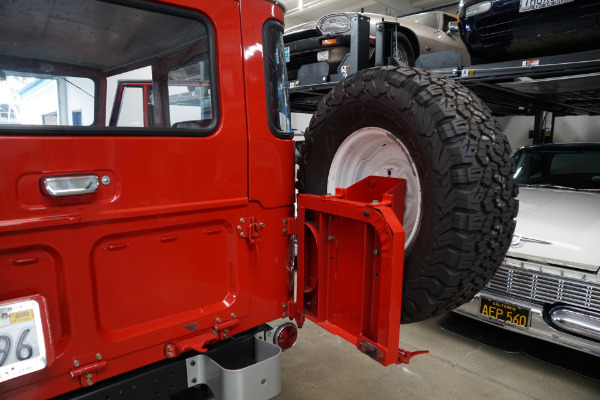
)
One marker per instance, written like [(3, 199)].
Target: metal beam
[(421, 4)]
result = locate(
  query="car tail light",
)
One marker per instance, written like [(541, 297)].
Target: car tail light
[(286, 335)]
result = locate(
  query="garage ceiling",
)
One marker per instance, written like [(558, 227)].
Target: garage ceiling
[(300, 11)]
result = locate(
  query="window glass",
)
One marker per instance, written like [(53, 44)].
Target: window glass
[(41, 99), (278, 103), (190, 101), (90, 64), (131, 112), (566, 167), (427, 19)]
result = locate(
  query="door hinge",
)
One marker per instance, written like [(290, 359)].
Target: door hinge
[(86, 368)]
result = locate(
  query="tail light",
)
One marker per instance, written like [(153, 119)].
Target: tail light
[(285, 335)]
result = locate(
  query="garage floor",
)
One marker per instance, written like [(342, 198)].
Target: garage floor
[(324, 366)]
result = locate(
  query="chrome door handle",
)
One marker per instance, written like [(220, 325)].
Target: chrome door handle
[(69, 185)]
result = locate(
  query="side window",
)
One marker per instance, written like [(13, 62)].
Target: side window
[(278, 103), (42, 99), (131, 111), (429, 19), (99, 66)]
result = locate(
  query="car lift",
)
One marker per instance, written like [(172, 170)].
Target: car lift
[(544, 87)]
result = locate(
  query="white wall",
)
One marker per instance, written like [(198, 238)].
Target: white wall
[(566, 129), (300, 122), (577, 129), (43, 100), (516, 128), (80, 97)]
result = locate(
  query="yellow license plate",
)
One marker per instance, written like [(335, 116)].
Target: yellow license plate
[(505, 312)]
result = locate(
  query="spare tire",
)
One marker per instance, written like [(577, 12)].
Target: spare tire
[(460, 202)]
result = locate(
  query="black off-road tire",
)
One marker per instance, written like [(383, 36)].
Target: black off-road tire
[(464, 167)]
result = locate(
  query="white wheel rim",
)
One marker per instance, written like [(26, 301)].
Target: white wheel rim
[(375, 151)]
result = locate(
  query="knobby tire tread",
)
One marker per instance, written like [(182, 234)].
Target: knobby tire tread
[(470, 163)]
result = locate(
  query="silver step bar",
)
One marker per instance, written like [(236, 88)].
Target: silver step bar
[(260, 380)]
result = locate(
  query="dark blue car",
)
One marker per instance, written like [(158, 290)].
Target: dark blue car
[(499, 30)]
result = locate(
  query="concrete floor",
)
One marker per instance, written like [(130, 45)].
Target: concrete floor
[(324, 366)]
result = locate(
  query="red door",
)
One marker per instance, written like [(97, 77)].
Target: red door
[(127, 235)]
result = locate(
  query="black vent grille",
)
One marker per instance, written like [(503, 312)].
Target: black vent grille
[(299, 59), (300, 35)]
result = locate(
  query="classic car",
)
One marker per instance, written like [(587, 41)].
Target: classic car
[(498, 30), (549, 284), (322, 46)]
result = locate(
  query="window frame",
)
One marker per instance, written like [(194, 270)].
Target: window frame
[(159, 82)]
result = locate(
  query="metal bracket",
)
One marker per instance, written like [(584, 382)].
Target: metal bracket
[(85, 369), (258, 379), (289, 226), (220, 331), (289, 309)]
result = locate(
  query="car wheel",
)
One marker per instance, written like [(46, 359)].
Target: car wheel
[(402, 51), (460, 202)]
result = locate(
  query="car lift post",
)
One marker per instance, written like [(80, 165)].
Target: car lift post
[(543, 127), (384, 32), (359, 42)]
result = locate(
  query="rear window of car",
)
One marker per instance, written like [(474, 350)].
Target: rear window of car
[(106, 68), (427, 19), (577, 168)]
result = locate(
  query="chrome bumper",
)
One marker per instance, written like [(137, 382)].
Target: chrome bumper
[(567, 318)]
